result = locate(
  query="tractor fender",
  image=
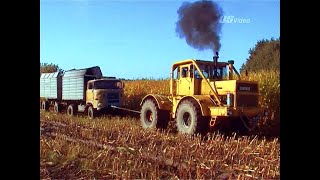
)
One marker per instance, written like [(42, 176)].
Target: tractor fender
[(162, 101), (205, 102)]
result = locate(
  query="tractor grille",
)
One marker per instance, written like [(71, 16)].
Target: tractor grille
[(247, 87), (113, 97), (247, 100)]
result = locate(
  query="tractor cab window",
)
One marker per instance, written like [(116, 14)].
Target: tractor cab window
[(184, 72), (191, 71), (196, 74), (204, 70), (221, 73), (176, 73)]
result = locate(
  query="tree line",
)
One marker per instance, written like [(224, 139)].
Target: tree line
[(265, 55)]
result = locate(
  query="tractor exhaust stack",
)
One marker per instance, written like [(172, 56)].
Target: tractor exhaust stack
[(215, 63)]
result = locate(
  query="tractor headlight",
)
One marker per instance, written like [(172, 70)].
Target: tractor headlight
[(229, 99)]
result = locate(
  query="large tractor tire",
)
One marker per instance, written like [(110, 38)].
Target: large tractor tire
[(72, 110), (152, 117), (189, 118), (45, 105), (92, 113)]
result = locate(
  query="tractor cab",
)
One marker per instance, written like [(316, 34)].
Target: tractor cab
[(190, 77)]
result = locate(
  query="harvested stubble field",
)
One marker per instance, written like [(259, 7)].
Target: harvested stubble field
[(118, 148)]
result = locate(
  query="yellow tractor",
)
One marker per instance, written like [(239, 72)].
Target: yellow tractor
[(204, 95)]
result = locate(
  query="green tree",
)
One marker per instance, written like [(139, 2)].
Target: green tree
[(49, 68), (264, 56)]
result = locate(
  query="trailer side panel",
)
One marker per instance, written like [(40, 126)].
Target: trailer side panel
[(50, 85)]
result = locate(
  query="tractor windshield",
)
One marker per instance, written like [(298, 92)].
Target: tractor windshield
[(208, 72), (107, 84)]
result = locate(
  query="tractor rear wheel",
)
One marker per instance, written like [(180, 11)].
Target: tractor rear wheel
[(189, 118), (152, 117)]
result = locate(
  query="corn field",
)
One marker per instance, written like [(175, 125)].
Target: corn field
[(269, 87), (135, 90)]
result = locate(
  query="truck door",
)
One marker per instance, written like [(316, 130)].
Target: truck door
[(90, 93)]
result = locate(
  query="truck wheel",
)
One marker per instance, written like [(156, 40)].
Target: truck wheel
[(45, 105), (189, 118), (92, 113), (151, 116), (57, 107), (71, 110)]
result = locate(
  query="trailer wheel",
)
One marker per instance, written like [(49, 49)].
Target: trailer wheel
[(189, 118), (45, 105), (151, 116), (57, 107), (71, 110), (92, 113)]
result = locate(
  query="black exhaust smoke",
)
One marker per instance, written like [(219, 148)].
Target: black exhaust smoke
[(199, 24)]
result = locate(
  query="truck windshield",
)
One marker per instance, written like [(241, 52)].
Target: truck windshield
[(107, 84)]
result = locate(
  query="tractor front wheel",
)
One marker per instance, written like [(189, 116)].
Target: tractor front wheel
[(189, 118)]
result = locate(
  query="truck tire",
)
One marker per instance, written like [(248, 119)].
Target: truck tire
[(189, 118), (45, 105), (57, 107), (151, 116), (72, 110), (92, 113)]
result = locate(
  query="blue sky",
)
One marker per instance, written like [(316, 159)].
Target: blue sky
[(137, 39)]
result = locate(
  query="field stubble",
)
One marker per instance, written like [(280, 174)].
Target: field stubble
[(115, 147)]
